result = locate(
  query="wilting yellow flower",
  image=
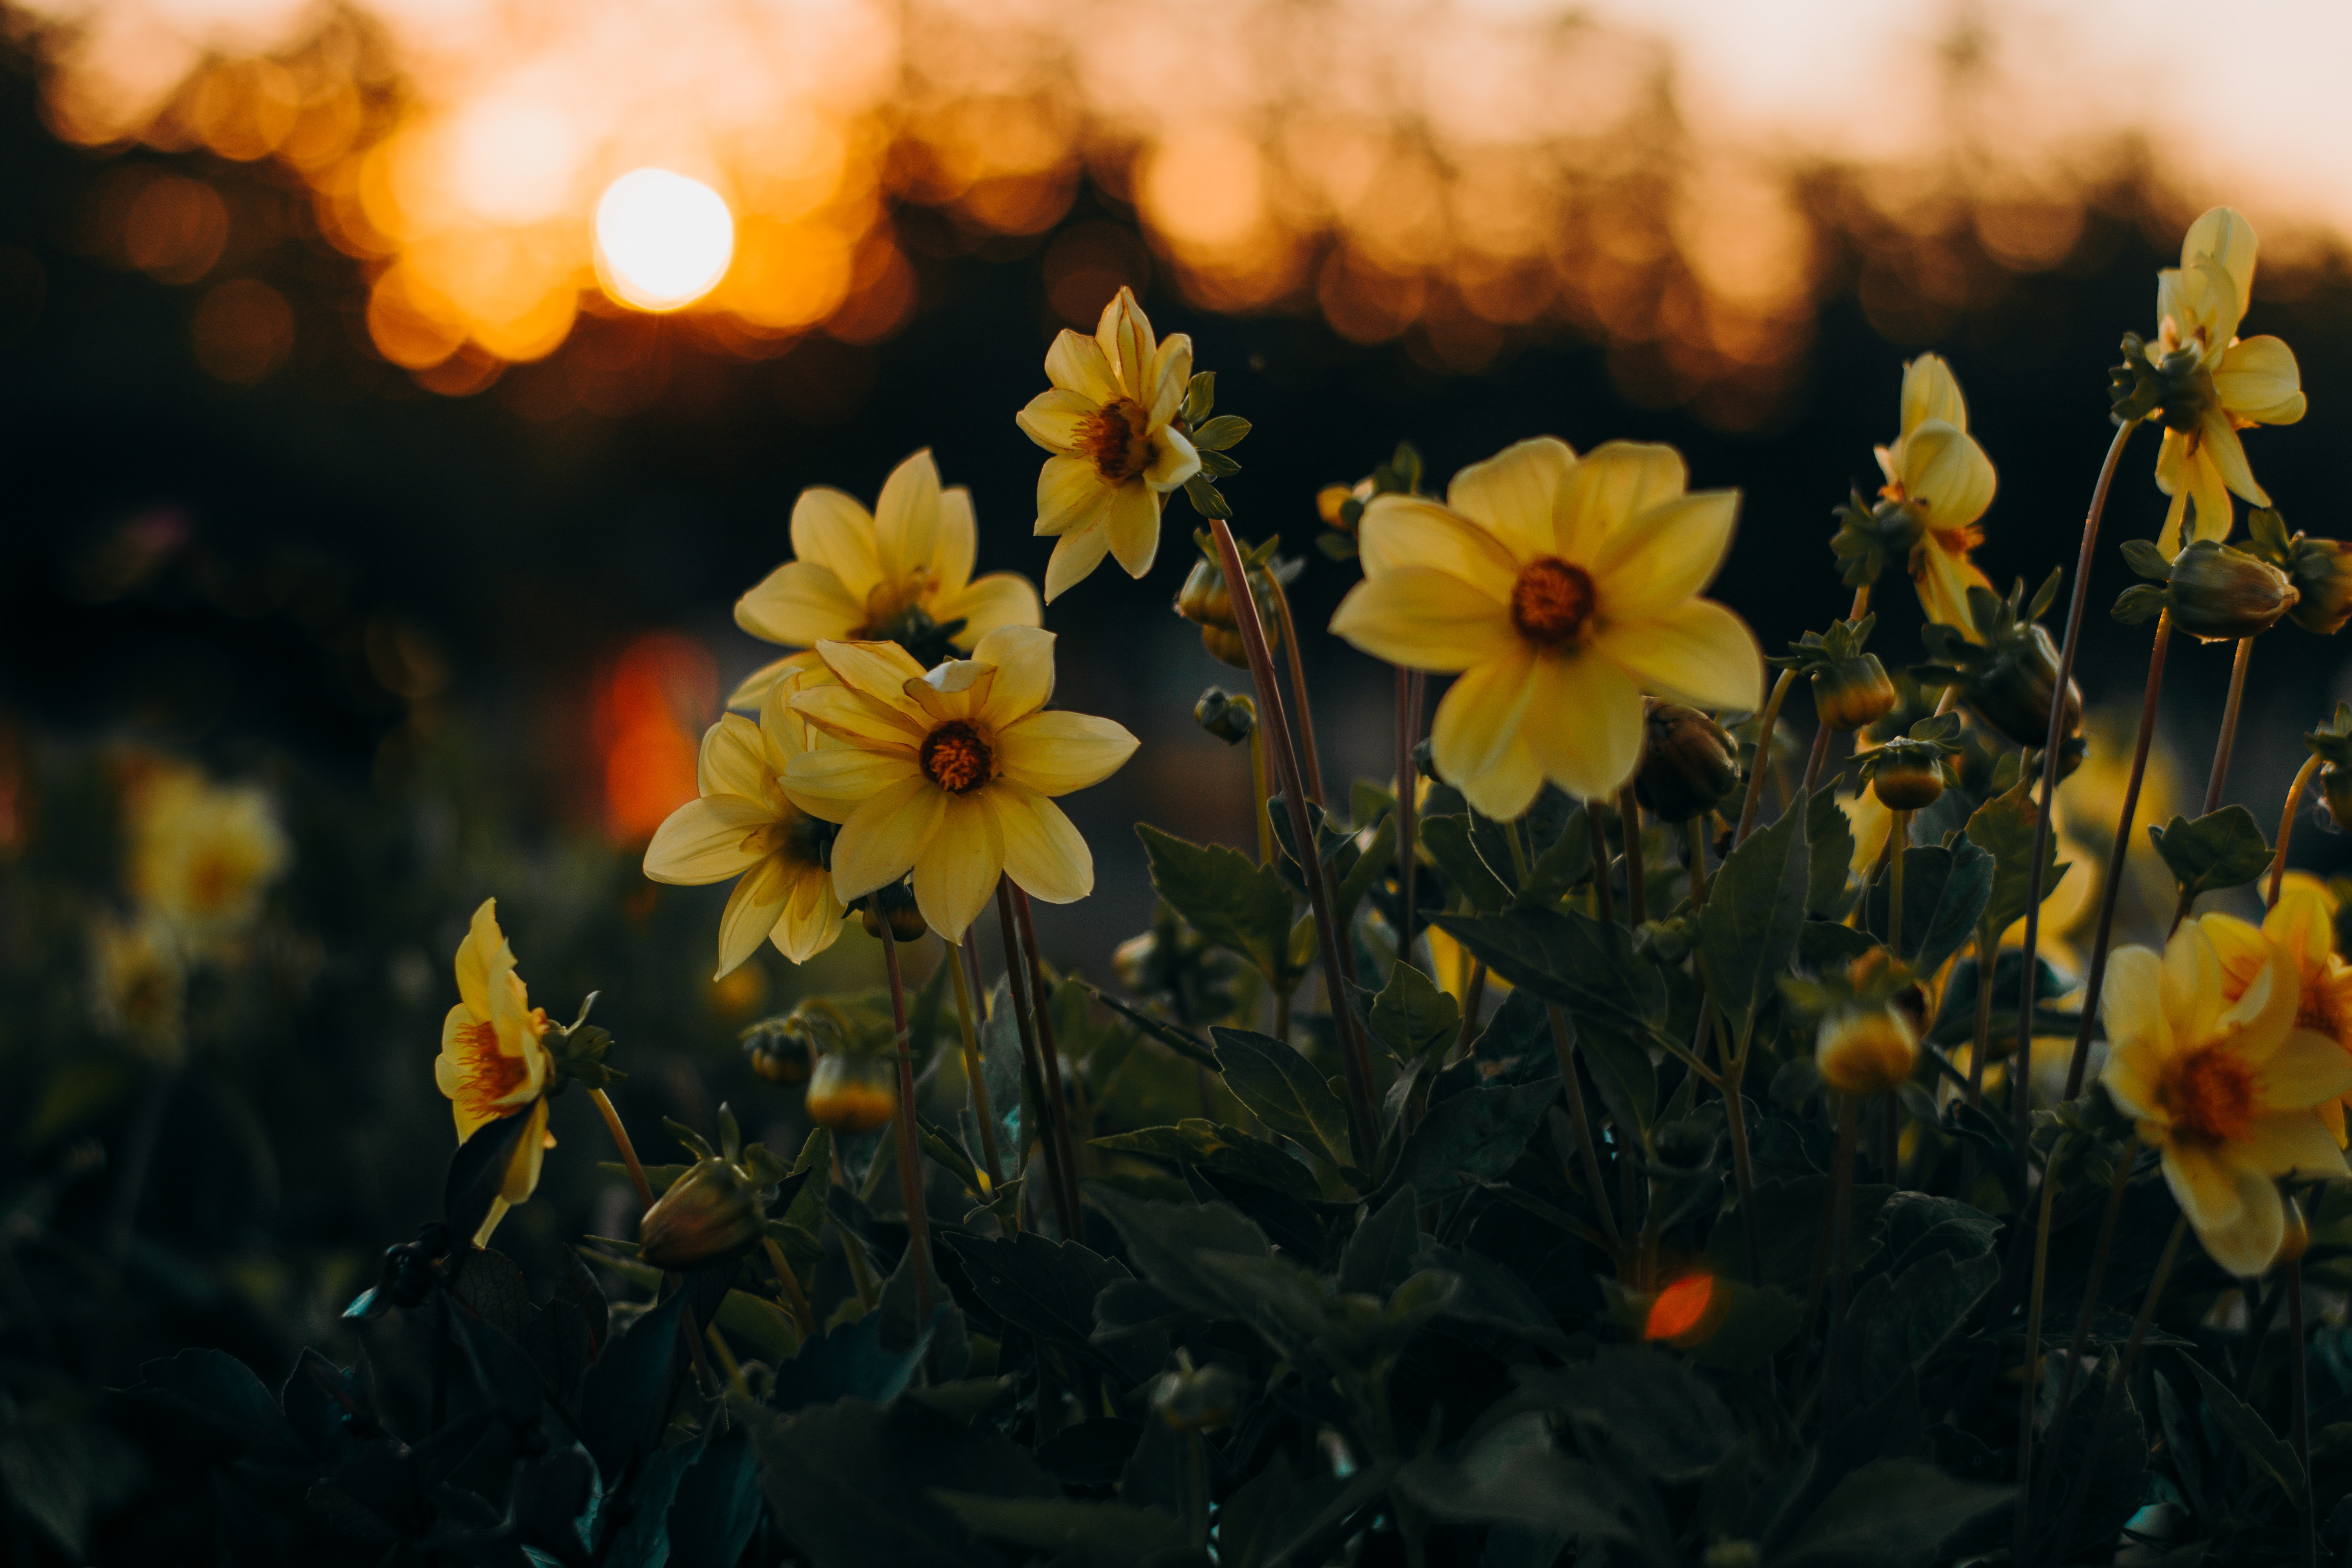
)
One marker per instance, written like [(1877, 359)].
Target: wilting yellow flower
[(2303, 926), (746, 825), (947, 774), (204, 855), (1937, 470), (1110, 422), (1561, 590), (492, 1062), (2225, 1089), (1866, 1051), (2231, 384), (900, 574)]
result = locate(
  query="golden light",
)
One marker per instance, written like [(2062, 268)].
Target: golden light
[(663, 241)]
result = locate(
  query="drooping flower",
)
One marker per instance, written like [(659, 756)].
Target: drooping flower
[(2226, 1089), (746, 825), (2215, 384), (1943, 479), (492, 1062), (1110, 421), (2302, 925), (948, 773), (900, 574), (1559, 591), (203, 856)]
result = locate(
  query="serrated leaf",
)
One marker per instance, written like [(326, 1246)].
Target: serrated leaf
[(1228, 898), (2004, 827), (1829, 849), (1471, 1136), (2222, 849), (1282, 1089), (2249, 1432), (1411, 1015), (1755, 910), (1164, 1241), (1944, 891), (1217, 1147), (1566, 956), (1447, 840)]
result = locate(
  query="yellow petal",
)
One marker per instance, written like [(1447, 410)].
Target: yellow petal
[(2297, 1143), (1076, 364), (2303, 922), (1132, 527), (753, 691), (811, 920), (2126, 1075), (832, 531), (2242, 950), (798, 603), (1664, 554), (733, 759), (2206, 1190), (1053, 420), (884, 837), (752, 910), (955, 689), (1601, 497), (1584, 724), (1168, 377), (482, 954), (1399, 530), (878, 670), (2308, 1069), (956, 875), (1698, 653), (1124, 336), (2218, 444), (1075, 556), (906, 518), (1071, 496), (783, 735), (1478, 723), (1056, 752), (1043, 851), (1427, 619), (1946, 476), (2132, 1008), (2246, 1244), (831, 784), (1023, 658), (1173, 460), (2264, 1014), (958, 545), (708, 840), (999, 599), (523, 1164), (1512, 494), (2259, 380), (2223, 235), (1943, 576), (852, 716), (1930, 392)]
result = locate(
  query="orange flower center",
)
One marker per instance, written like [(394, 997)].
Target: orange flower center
[(955, 758), (208, 884), (1118, 436), (2210, 1096), (1551, 603), (486, 1075)]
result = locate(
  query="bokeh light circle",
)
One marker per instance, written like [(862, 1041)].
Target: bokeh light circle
[(663, 241)]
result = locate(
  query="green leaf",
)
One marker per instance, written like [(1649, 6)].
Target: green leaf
[(218, 1391), (2250, 1433), (1755, 909), (1371, 865), (1562, 865), (1215, 1147), (493, 1289), (2223, 849), (1411, 1016), (1745, 1326), (2004, 827), (627, 1392), (1663, 1418), (802, 1221), (1163, 1241), (1103, 1533), (1568, 957), (1944, 891), (1447, 840), (1890, 1513), (943, 1146), (1790, 1218), (1224, 430), (1246, 1524), (2138, 601), (1282, 1089), (1829, 851), (1177, 1038), (1380, 1253), (1621, 1065), (1920, 1309), (1512, 1475), (1048, 1288), (2143, 557), (1473, 1135), (1229, 899)]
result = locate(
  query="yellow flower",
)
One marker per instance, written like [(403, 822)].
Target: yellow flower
[(2225, 1089), (2231, 384), (203, 855), (1866, 1051), (492, 1063), (1560, 591), (900, 573), (2303, 926), (947, 774), (1937, 470), (140, 985), (1110, 422), (745, 824)]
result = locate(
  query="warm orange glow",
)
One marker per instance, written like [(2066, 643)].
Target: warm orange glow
[(650, 712), (663, 241), (1679, 1308)]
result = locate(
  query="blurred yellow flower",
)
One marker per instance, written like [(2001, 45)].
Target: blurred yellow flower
[(2230, 385), (492, 1063), (900, 574), (139, 985), (1866, 1051), (1937, 470), (1110, 422), (746, 825), (947, 774), (2225, 1089), (2303, 926), (203, 855), (1560, 591)]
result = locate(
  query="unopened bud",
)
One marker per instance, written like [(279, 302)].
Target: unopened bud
[(897, 901), (1229, 717), (1906, 777), (1207, 600), (1870, 1050), (1191, 1399), (710, 1214), (1689, 762), (2322, 580), (853, 1092), (1853, 692), (2219, 594)]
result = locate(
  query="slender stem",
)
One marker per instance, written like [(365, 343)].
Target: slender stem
[(1472, 998), (1584, 1144), (1629, 814), (1735, 1119), (2075, 1347), (1058, 1185), (441, 1360), (1282, 1013), (1363, 1119), (1046, 1050), (1695, 852), (1891, 1138), (1822, 732), (1841, 1252), (1988, 965), (2299, 1373), (1308, 753), (2286, 826), (2108, 894), (973, 1070), (910, 1148), (1404, 807), (628, 1150), (727, 1359), (1260, 794), (138, 1159), (1604, 897), (2025, 1405), (2228, 738), (798, 1299), (1901, 838), (2116, 1384), (1764, 728)]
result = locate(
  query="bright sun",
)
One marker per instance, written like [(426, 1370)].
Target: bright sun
[(662, 240)]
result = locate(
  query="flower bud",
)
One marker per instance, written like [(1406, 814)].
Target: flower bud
[(781, 1049), (2012, 692), (2220, 595), (1230, 719), (897, 904), (1192, 1399), (1207, 602), (853, 1092), (712, 1213), (1688, 763), (1867, 1050), (2323, 577), (1907, 780), (1853, 692)]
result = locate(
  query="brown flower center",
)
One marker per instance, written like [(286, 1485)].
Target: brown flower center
[(2210, 1096), (1551, 603), (486, 1075), (1118, 436), (955, 758)]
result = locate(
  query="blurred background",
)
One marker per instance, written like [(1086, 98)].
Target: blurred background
[(372, 451)]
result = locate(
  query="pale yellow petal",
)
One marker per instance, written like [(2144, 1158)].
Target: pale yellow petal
[(1124, 336), (2218, 444), (705, 840), (1946, 476), (1427, 619), (1023, 658), (2303, 922), (2263, 1014), (2128, 1075), (1601, 498), (952, 690), (2242, 949), (1398, 530), (481, 956), (753, 691), (1056, 752), (2131, 1006), (1943, 573), (1512, 494), (852, 716), (1698, 653), (2190, 984), (811, 920), (832, 531), (956, 875), (2223, 235), (876, 669), (1053, 418), (1173, 461), (1168, 377), (884, 837), (2259, 380), (798, 603), (1664, 554), (958, 545), (783, 735), (907, 517), (733, 759), (752, 910), (1043, 851), (834, 782), (1132, 527), (1076, 364), (1075, 556), (1584, 724), (1477, 726), (2206, 1189), (2297, 1143), (1071, 496), (999, 599), (2307, 1068), (1930, 392)]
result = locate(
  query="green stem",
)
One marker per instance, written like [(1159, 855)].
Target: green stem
[(1764, 728), (1058, 1185), (2025, 1405), (1629, 815), (1589, 1151), (1840, 1249), (1697, 855), (2286, 826), (1308, 755), (1988, 965), (973, 1069), (1900, 836), (910, 1148), (1404, 810), (2063, 1406), (2228, 741), (1604, 897), (1046, 1050), (1473, 998), (797, 1298), (1735, 1119), (628, 1150), (1260, 794)]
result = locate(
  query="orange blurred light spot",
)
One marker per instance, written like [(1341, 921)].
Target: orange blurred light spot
[(663, 241), (1679, 1307), (243, 331), (648, 711)]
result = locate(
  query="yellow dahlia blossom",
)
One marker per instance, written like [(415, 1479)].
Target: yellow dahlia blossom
[(203, 856), (2233, 384), (2303, 926), (901, 572), (1937, 470), (493, 1063), (2225, 1089), (1557, 590), (746, 825), (948, 773), (1110, 421)]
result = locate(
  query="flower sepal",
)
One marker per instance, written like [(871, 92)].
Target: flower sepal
[(1206, 599), (2172, 388), (2320, 569), (1872, 533), (718, 1208), (2216, 592), (1341, 507), (2332, 745), (1851, 687), (2008, 672), (1910, 773), (577, 1053)]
